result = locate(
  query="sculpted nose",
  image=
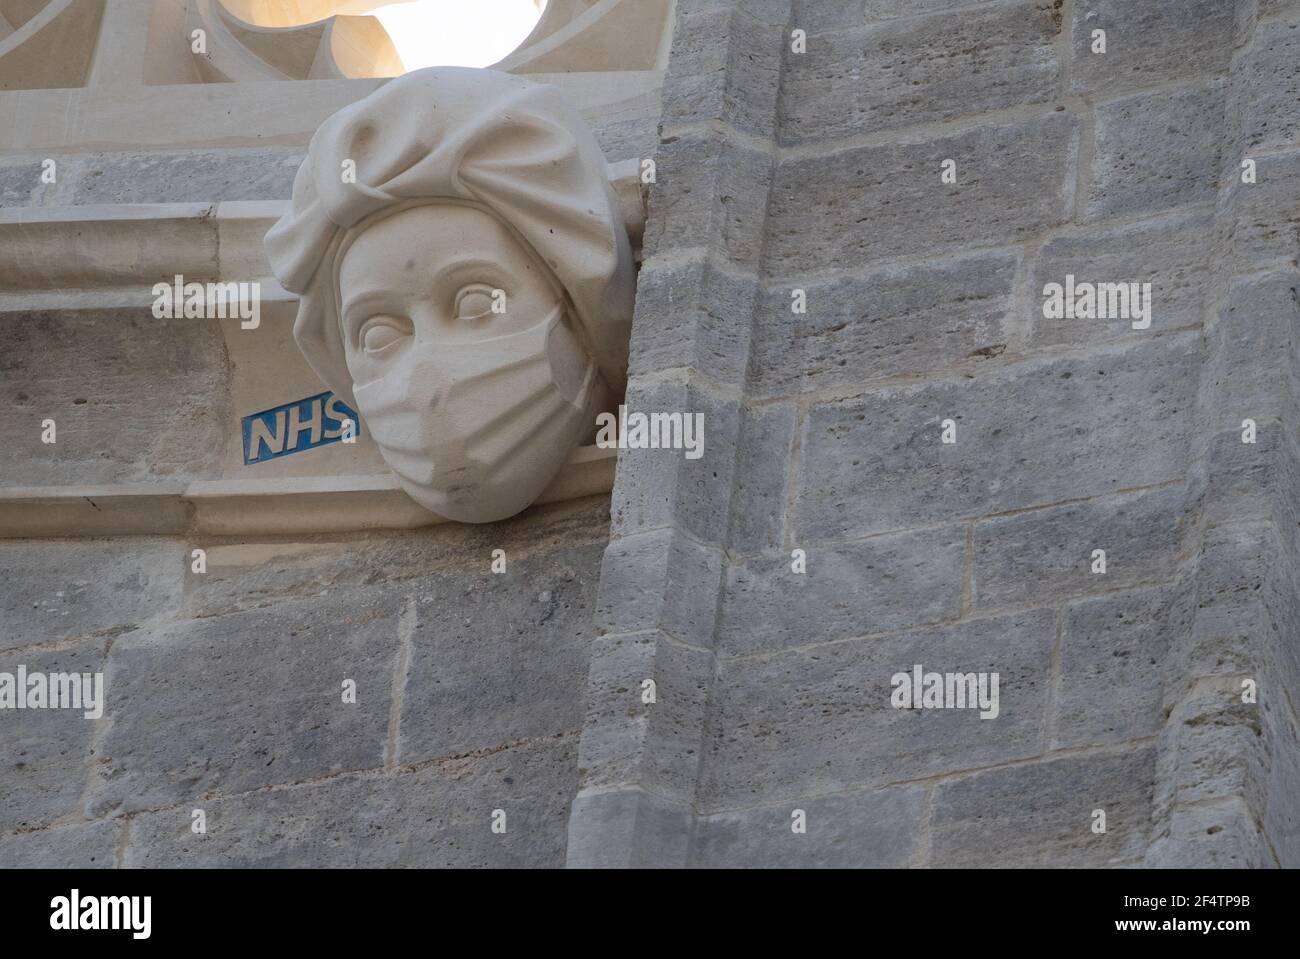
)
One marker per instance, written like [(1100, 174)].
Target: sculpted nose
[(427, 388)]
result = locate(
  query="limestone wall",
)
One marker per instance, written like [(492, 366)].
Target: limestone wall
[(1123, 692)]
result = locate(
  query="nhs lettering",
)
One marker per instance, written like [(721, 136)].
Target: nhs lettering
[(302, 425)]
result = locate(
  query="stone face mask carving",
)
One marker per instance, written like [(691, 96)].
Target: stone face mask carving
[(471, 292)]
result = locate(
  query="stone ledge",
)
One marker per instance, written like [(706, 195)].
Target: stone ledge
[(259, 507), (138, 244)]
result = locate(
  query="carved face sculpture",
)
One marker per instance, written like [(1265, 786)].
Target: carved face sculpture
[(464, 361), (465, 282)]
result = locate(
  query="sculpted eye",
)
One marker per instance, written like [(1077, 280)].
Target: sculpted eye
[(381, 332), (475, 302)]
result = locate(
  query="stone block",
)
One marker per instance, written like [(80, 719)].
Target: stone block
[(44, 753), (1030, 433), (1264, 225), (1175, 254), (659, 488), (20, 183), (65, 589), (880, 829), (135, 400), (724, 66), (1265, 92), (820, 719), (628, 742), (1155, 151), (201, 176), (758, 499), (498, 658), (252, 575), (709, 193), (1043, 555), (437, 816), (1041, 814), (90, 845), (900, 321), (871, 203), (1112, 650), (875, 585), (693, 315), (661, 580), (1212, 836), (1149, 43), (628, 828), (921, 70), (232, 703)]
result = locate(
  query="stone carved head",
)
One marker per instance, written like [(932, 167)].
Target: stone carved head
[(465, 281)]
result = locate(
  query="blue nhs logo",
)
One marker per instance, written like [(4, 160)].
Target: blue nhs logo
[(303, 425)]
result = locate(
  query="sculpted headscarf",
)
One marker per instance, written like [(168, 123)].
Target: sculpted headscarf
[(514, 147)]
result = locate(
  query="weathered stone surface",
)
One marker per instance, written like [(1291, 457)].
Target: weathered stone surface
[(1174, 259), (1112, 649), (1281, 819), (1264, 225), (1157, 150), (1149, 43), (1217, 741), (628, 742), (713, 75), (1043, 555), (20, 183), (920, 70), (877, 830), (44, 753), (819, 719), (1266, 88), (1028, 433), (1256, 349), (91, 845), (758, 499), (709, 193), (661, 580), (439, 815), (1210, 836), (900, 321), (1041, 814), (658, 488), (875, 585), (203, 176), (873, 203), (245, 576), (134, 400), (628, 828), (693, 315), (835, 14), (498, 658), (235, 702), (73, 588), (626, 130)]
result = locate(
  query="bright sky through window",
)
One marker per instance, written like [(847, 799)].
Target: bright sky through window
[(466, 33)]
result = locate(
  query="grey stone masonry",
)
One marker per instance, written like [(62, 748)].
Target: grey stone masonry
[(912, 462)]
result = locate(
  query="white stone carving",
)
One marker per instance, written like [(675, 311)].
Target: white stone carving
[(466, 282)]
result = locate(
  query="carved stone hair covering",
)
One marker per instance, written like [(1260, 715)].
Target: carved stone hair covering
[(514, 147)]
